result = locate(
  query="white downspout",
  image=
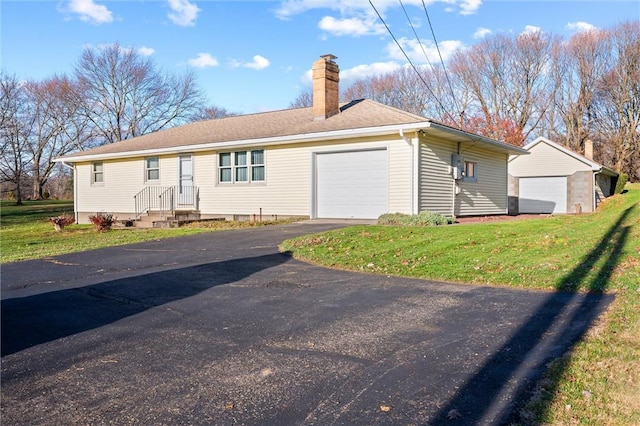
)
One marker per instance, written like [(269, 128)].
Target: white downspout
[(411, 169), (72, 166)]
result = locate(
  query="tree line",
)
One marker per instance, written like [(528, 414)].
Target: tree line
[(517, 87), (509, 87)]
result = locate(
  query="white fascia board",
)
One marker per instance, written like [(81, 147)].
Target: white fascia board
[(511, 149), (279, 140)]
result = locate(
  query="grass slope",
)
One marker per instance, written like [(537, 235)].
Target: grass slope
[(599, 381), (26, 234)]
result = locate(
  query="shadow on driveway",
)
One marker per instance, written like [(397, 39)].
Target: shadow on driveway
[(495, 404), (41, 318), (320, 346)]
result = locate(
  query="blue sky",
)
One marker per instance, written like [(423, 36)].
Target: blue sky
[(252, 56)]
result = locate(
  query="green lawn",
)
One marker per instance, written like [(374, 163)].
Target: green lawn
[(597, 383), (26, 234), (592, 252)]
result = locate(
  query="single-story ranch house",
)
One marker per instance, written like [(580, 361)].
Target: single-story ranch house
[(554, 179), (354, 160)]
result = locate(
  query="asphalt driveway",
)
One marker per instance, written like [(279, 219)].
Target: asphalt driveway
[(222, 329)]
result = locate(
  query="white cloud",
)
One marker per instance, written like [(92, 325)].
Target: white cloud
[(358, 8), (258, 63), (362, 71), (350, 26), (481, 33), (469, 7), (146, 51), (290, 8), (183, 12), (581, 26), (348, 76), (90, 11), (531, 29), (415, 51), (204, 60)]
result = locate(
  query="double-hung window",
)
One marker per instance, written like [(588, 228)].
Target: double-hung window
[(241, 166), (257, 165), (152, 169), (97, 173), (470, 171)]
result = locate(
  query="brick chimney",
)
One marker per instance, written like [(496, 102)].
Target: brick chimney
[(588, 149), (325, 75)]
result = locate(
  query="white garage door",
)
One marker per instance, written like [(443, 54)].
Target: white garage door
[(352, 184), (543, 195)]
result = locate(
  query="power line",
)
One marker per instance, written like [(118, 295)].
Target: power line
[(444, 68), (417, 37), (407, 57)]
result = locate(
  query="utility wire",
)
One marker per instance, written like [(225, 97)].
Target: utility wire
[(446, 74), (416, 34), (407, 56)]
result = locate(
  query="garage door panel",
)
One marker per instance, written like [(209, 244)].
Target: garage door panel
[(543, 195), (352, 184)]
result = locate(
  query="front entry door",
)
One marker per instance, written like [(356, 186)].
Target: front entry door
[(186, 196)]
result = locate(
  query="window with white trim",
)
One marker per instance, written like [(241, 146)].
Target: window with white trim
[(470, 171), (151, 168), (241, 166), (97, 173)]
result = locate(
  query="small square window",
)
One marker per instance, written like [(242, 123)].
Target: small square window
[(225, 167), (97, 173), (257, 165), (470, 171), (241, 166), (152, 168)]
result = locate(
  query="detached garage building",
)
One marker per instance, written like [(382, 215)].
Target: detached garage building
[(554, 179), (353, 160)]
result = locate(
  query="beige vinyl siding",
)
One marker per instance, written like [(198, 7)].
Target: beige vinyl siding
[(488, 195), (287, 189), (169, 169), (435, 182), (122, 180), (400, 188), (545, 160)]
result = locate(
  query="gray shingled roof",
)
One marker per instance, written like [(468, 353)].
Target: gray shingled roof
[(299, 121)]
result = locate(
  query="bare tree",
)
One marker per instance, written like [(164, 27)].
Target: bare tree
[(57, 127), (15, 126), (507, 77), (578, 69), (212, 113), (403, 89), (303, 100), (125, 95), (617, 109)]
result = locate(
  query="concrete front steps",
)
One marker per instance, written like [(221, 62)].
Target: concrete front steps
[(155, 219)]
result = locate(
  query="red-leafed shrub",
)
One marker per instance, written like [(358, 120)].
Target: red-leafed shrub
[(59, 222), (102, 222)]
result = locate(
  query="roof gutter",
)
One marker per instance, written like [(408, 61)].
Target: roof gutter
[(278, 140), (477, 138), (298, 138), (65, 164)]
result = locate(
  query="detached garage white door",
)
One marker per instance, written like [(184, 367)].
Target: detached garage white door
[(352, 184), (543, 195)]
